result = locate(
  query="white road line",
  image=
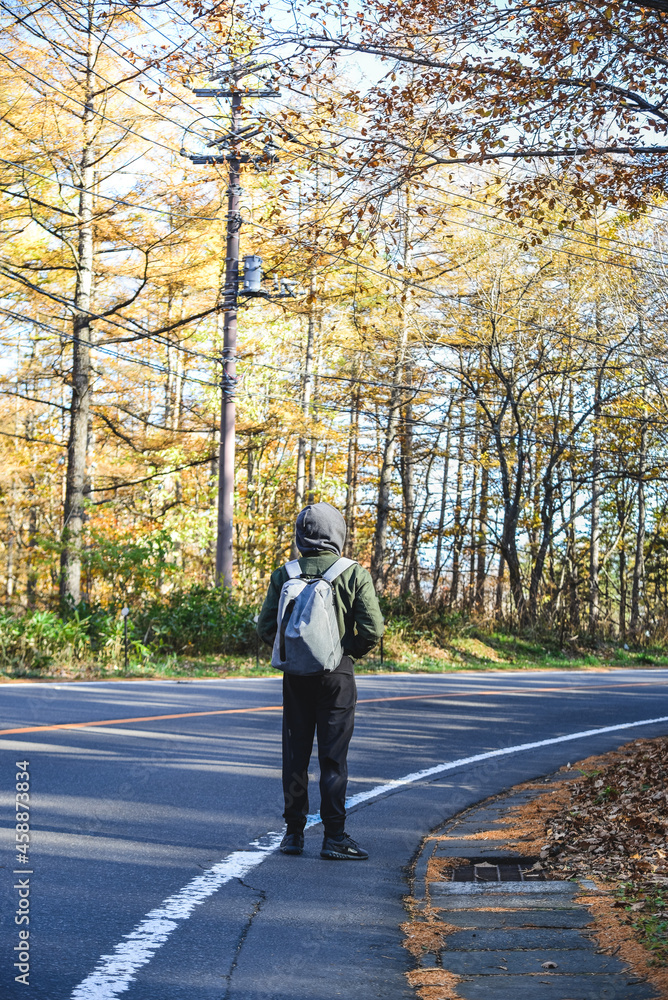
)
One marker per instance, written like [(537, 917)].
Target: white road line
[(114, 973), (428, 772)]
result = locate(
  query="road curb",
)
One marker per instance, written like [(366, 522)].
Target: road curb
[(508, 940)]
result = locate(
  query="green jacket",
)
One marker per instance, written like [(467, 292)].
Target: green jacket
[(359, 616)]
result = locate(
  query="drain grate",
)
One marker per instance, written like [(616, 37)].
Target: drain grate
[(498, 870)]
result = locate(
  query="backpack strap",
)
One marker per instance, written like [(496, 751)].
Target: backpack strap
[(284, 624), (337, 568), (293, 569)]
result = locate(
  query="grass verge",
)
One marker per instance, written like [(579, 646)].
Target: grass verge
[(471, 652), (647, 913)]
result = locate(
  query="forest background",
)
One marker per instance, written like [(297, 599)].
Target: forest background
[(466, 211)]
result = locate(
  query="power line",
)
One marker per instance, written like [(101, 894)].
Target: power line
[(350, 379), (189, 25), (81, 104), (338, 93), (117, 86), (414, 389), (398, 279), (133, 416), (116, 201), (356, 264), (199, 354), (531, 439), (516, 239), (138, 333), (576, 229), (469, 165), (432, 187), (536, 232), (419, 285), (103, 350), (332, 408), (296, 244), (554, 231), (156, 83)]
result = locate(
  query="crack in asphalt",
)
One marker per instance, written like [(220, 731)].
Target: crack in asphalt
[(257, 906), (116, 970)]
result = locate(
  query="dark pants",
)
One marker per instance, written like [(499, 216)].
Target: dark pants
[(324, 703)]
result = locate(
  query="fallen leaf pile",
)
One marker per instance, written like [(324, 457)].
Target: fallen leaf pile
[(616, 825), (606, 820)]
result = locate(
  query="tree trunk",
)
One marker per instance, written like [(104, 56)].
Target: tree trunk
[(11, 551), (174, 388), (313, 454), (595, 533), (351, 472), (498, 596), (546, 515), (70, 564), (307, 393), (470, 596), (31, 568), (385, 480), (571, 551), (481, 543), (594, 544), (414, 567), (509, 547), (622, 593), (438, 561), (638, 586), (313, 444), (458, 536), (378, 573), (512, 470), (408, 493)]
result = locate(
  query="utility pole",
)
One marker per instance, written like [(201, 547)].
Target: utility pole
[(234, 159), (225, 537)]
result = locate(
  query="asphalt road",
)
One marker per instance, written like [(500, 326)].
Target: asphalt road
[(151, 873)]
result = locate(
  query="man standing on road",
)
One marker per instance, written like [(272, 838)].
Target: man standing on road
[(324, 701)]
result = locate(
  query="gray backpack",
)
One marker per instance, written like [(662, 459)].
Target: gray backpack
[(307, 640)]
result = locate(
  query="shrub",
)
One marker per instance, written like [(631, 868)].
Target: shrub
[(197, 621), (33, 641), (412, 618)]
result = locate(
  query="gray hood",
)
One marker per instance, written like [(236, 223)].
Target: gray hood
[(320, 527)]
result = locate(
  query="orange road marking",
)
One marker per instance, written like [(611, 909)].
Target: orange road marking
[(361, 701), (141, 718)]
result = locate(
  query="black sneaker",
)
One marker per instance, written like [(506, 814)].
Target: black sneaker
[(342, 849), (292, 843)]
